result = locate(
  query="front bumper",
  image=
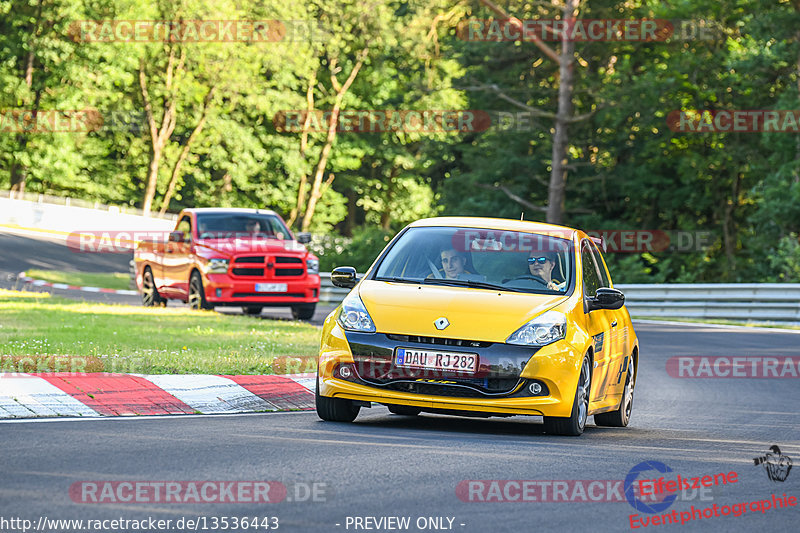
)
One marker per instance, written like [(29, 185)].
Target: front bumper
[(222, 289), (499, 387)]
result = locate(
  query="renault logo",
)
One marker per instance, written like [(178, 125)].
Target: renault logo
[(441, 323)]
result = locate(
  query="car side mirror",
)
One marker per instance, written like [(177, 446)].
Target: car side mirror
[(606, 298), (344, 277), (304, 238), (176, 236)]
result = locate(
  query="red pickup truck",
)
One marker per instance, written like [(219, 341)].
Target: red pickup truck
[(230, 257)]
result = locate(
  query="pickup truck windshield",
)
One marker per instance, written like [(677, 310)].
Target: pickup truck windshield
[(481, 258), (227, 225)]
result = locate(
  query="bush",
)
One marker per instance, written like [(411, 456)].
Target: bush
[(358, 251)]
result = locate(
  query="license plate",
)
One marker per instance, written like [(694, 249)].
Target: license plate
[(434, 360), (271, 287)]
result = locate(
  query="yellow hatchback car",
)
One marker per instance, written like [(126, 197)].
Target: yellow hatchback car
[(482, 317)]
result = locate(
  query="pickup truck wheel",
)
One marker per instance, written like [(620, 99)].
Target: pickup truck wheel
[(197, 296), (303, 312), (252, 310), (150, 296)]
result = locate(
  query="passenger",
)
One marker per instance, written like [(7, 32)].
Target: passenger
[(541, 264), (454, 264)]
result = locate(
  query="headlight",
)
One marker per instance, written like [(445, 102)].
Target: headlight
[(217, 266), (312, 266), (544, 329), (353, 315)]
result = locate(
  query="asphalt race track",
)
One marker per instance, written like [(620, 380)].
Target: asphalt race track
[(385, 465)]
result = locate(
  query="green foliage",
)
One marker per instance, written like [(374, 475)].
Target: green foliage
[(627, 168), (358, 251)]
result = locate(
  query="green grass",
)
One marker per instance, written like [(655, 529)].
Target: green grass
[(114, 280), (41, 333), (722, 322)]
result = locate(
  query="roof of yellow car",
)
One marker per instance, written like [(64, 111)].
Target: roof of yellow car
[(496, 223)]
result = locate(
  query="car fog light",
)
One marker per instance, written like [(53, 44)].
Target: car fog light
[(345, 372), (535, 388)]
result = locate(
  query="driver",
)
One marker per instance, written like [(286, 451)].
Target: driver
[(541, 264), (252, 226)]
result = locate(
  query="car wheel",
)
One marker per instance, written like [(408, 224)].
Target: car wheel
[(150, 296), (335, 409), (197, 296), (303, 312), (621, 417), (404, 410), (252, 310), (576, 422)]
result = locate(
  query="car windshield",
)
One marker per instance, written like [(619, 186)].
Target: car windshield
[(480, 258), (227, 226)]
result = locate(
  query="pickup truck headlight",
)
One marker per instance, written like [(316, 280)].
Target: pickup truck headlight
[(544, 329), (353, 316), (217, 266), (312, 266)]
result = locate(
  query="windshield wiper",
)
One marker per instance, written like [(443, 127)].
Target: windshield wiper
[(398, 280), (469, 283)]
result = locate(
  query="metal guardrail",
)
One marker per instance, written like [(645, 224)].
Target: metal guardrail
[(760, 302), (77, 202)]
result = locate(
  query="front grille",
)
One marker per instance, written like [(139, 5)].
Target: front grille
[(439, 340), (261, 294), (239, 271), (294, 260), (497, 387), (250, 259), (288, 272)]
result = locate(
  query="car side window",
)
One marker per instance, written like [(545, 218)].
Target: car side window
[(605, 281), (591, 280), (185, 227)]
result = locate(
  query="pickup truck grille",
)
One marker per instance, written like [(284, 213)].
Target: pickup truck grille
[(267, 267), (248, 272), (250, 259), (288, 271)]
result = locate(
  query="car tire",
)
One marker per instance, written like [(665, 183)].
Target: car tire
[(303, 312), (252, 310), (622, 415), (197, 295), (335, 409), (576, 422), (150, 295), (404, 410)]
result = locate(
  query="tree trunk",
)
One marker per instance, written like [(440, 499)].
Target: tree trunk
[(18, 174), (729, 226), (158, 136), (301, 189), (316, 192), (558, 173), (176, 171)]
